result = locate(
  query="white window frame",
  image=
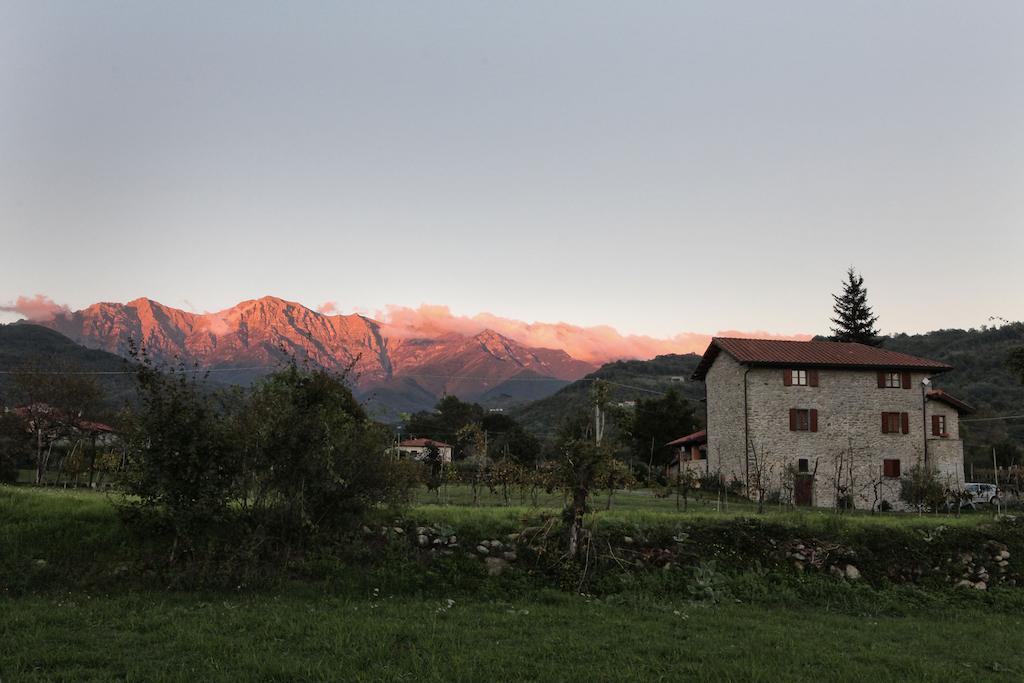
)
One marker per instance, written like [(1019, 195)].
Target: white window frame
[(894, 380), (800, 378)]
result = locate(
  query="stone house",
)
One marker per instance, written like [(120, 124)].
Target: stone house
[(826, 423), (417, 449), (689, 452)]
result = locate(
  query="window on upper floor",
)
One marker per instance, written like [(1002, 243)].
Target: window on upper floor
[(895, 423), (939, 425), (800, 378), (893, 380)]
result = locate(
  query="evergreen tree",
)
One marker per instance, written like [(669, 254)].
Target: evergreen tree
[(854, 321)]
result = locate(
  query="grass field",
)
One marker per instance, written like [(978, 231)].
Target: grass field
[(307, 636), (758, 628)]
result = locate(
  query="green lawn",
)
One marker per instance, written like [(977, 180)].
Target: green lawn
[(304, 636), (764, 627)]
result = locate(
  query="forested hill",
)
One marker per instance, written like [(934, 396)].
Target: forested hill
[(628, 380), (25, 347), (980, 376)]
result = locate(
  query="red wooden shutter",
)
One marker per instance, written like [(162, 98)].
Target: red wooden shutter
[(814, 420), (812, 378), (885, 424), (887, 468), (905, 422), (935, 426), (792, 419), (881, 380), (787, 378), (905, 380)]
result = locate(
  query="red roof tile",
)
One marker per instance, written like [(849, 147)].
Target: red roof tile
[(940, 395), (422, 443), (822, 354), (696, 437)]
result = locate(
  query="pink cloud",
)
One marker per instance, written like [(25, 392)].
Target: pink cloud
[(596, 344), (328, 308), (38, 308)]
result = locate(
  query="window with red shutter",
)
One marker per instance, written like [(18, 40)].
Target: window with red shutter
[(812, 378), (938, 425), (801, 420), (787, 378), (892, 423), (905, 422), (891, 468), (881, 380), (905, 380), (814, 420)]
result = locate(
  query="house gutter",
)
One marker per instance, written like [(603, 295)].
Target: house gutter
[(746, 432)]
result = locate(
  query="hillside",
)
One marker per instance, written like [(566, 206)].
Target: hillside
[(23, 345), (628, 380)]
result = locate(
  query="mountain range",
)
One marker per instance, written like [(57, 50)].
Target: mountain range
[(391, 374)]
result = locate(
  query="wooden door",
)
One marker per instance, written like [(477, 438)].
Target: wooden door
[(803, 489)]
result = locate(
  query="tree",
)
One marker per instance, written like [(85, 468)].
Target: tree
[(53, 399), (184, 457), (854, 321), (658, 421), (313, 457), (1016, 362)]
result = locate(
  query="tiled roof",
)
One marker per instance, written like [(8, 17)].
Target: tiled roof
[(940, 395), (422, 443), (696, 437), (822, 354)]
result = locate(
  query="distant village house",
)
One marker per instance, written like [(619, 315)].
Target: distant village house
[(416, 449)]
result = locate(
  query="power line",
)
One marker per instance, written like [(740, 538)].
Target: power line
[(990, 419)]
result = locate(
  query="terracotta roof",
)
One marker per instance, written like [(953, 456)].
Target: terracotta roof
[(820, 354), (422, 443), (940, 395), (696, 437)]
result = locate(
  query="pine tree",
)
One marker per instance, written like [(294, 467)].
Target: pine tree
[(854, 321)]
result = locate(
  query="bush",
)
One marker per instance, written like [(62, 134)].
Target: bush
[(295, 458)]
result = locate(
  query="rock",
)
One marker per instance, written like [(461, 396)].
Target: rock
[(852, 573), (422, 540), (452, 540), (398, 530), (510, 556), (421, 530), (367, 530), (836, 571), (981, 585), (964, 583), (799, 557), (628, 540), (512, 537), (438, 541), (495, 565), (482, 549), (495, 543), (39, 564)]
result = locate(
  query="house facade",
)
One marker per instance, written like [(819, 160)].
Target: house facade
[(416, 449), (826, 423)]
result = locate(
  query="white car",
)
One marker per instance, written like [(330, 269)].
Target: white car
[(982, 494)]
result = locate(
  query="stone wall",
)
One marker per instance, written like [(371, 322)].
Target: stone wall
[(724, 387)]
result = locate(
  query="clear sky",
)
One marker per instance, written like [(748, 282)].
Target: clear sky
[(655, 166)]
